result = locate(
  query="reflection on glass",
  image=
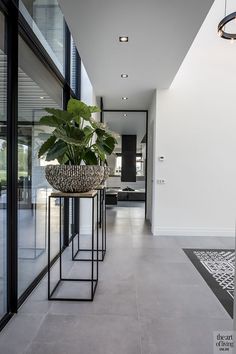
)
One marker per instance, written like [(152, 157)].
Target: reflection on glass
[(37, 90), (47, 21), (3, 168)]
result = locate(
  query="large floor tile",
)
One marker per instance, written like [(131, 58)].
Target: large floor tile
[(115, 241), (87, 334), (178, 301), (227, 242), (166, 255), (119, 230), (162, 274), (181, 335), (113, 298), (19, 333), (149, 241), (199, 242)]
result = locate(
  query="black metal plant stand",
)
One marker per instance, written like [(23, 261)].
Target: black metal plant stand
[(76, 249), (92, 195)]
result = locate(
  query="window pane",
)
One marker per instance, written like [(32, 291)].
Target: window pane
[(47, 21), (3, 167), (73, 69), (37, 89)]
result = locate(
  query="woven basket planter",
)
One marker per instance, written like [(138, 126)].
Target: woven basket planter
[(74, 179)]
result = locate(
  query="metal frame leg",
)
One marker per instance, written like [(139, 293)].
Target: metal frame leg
[(101, 251)]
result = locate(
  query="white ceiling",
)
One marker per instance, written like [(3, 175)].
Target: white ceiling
[(160, 34), (133, 124)]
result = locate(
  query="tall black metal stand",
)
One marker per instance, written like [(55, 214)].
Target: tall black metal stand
[(92, 195)]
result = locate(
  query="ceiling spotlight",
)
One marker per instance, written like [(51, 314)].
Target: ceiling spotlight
[(125, 114), (124, 76), (123, 39), (42, 97), (124, 98)]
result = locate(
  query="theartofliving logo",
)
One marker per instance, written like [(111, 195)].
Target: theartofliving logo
[(224, 342)]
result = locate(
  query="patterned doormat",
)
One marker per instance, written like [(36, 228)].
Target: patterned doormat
[(217, 267)]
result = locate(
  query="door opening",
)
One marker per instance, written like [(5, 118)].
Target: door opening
[(127, 183)]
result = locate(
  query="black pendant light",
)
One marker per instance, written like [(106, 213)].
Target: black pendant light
[(221, 27)]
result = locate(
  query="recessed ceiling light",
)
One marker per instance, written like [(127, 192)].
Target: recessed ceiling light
[(125, 114), (124, 98), (124, 76), (123, 39), (42, 97)]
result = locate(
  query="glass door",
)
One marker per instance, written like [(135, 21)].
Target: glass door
[(37, 89), (3, 169)]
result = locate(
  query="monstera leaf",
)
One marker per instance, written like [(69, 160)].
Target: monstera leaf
[(57, 151), (70, 135), (94, 109), (107, 145), (78, 109), (90, 157), (100, 152), (47, 145), (60, 114), (100, 132), (88, 130), (51, 121)]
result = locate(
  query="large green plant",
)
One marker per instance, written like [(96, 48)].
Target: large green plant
[(76, 136)]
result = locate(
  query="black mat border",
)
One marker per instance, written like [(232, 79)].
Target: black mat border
[(222, 295)]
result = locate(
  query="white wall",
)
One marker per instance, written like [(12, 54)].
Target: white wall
[(196, 131), (87, 96)]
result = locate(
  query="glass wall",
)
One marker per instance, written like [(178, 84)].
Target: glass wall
[(37, 89), (3, 167), (40, 85), (47, 21)]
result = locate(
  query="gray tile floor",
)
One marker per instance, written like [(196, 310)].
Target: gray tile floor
[(150, 300)]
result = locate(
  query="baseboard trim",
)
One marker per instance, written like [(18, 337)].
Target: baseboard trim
[(169, 231)]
